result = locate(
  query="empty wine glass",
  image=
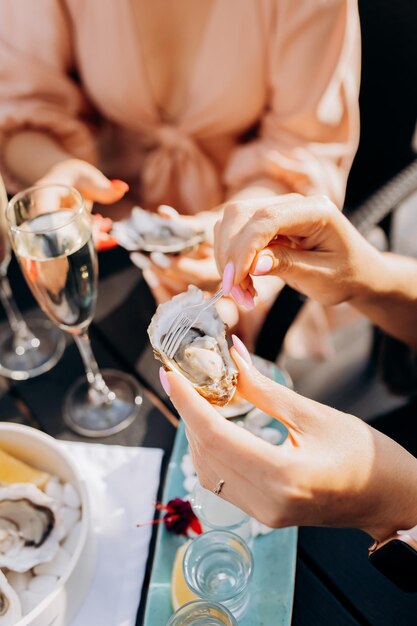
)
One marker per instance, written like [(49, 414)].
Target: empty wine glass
[(51, 233), (24, 352)]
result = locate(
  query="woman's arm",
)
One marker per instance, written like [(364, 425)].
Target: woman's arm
[(333, 469), (390, 302), (310, 245), (29, 155), (309, 130)]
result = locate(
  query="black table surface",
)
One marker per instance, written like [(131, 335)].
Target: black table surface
[(335, 585)]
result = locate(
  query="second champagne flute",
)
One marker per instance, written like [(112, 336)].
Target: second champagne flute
[(51, 233)]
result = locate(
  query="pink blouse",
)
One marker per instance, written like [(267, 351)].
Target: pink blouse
[(273, 95)]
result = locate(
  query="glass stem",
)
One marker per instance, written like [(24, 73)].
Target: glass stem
[(23, 338), (98, 391)]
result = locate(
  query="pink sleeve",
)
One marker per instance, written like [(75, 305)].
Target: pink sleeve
[(36, 87), (310, 130)]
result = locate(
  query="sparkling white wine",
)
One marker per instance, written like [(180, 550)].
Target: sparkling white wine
[(59, 262)]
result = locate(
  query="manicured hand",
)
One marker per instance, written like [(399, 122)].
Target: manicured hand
[(89, 181), (306, 241), (173, 273), (332, 470)]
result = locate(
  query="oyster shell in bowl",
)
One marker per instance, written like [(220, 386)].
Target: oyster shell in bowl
[(149, 232), (10, 607), (203, 355), (28, 530)]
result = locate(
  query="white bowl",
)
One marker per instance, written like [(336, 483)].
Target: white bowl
[(60, 606)]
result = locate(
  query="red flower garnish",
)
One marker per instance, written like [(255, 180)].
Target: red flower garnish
[(179, 517)]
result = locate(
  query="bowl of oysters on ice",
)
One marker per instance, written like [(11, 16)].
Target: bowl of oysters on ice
[(46, 552)]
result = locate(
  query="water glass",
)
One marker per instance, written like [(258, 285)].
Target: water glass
[(202, 613), (214, 513), (217, 567)]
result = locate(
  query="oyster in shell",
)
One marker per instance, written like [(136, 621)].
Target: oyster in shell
[(28, 530), (149, 232), (10, 608), (203, 355)]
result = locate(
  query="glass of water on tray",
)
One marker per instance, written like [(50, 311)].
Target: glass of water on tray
[(214, 513), (217, 567), (202, 613)]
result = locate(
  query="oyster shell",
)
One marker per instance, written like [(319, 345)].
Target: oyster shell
[(10, 608), (28, 531), (149, 232), (203, 355)]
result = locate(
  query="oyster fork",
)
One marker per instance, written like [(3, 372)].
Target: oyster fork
[(182, 323)]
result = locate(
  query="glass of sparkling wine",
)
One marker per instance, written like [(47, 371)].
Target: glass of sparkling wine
[(217, 567), (202, 613), (51, 233), (24, 352)]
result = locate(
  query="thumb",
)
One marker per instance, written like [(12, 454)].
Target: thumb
[(273, 398), (278, 259), (98, 188)]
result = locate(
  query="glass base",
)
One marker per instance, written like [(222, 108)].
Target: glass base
[(85, 417), (46, 350)]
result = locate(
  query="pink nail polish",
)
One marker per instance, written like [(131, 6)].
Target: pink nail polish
[(241, 349), (228, 278), (263, 265), (238, 295), (164, 381)]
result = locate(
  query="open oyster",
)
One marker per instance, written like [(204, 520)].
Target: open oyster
[(28, 532), (10, 608), (149, 232), (203, 356)]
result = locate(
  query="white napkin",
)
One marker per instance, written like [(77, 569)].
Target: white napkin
[(122, 483)]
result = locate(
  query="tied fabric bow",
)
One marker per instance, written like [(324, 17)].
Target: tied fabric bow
[(179, 518)]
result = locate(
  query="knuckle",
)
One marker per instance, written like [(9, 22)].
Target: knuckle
[(285, 261)]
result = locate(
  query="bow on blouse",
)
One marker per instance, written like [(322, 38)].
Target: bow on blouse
[(176, 171)]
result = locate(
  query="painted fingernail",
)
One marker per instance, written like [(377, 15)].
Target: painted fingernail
[(164, 381), (263, 265), (228, 278), (140, 260), (120, 185), (151, 278), (238, 295), (161, 260), (241, 349)]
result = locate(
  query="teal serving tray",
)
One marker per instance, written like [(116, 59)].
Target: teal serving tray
[(272, 584)]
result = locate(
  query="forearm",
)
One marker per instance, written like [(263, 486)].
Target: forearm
[(30, 154), (390, 298), (390, 500)]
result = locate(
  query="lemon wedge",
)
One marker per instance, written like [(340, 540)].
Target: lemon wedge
[(13, 470), (180, 592)]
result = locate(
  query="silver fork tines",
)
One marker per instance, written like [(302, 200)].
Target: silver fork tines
[(182, 323)]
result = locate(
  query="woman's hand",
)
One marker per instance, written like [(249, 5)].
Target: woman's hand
[(332, 470), (306, 241), (168, 275), (89, 181)]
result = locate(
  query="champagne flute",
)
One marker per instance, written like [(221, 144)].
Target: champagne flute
[(24, 352), (51, 233)]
